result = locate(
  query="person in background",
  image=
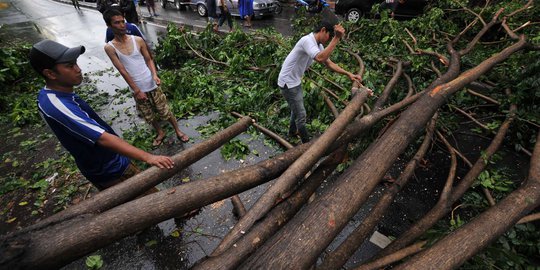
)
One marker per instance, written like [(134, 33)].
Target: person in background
[(76, 4), (246, 11), (151, 6), (392, 5), (101, 156), (225, 15), (139, 14), (129, 10), (131, 58), (212, 14), (308, 48)]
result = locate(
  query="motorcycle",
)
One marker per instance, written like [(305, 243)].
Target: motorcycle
[(312, 6)]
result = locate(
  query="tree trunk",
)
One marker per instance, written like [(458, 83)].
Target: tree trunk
[(454, 249), (279, 216), (140, 183), (294, 246), (338, 257), (58, 244), (296, 171)]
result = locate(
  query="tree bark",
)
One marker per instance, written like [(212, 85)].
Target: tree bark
[(58, 244), (454, 249), (296, 171), (294, 246), (140, 183), (338, 257), (276, 218)]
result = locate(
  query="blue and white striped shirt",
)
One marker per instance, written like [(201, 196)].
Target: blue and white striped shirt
[(78, 128)]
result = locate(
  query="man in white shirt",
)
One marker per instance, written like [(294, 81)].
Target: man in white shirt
[(308, 48)]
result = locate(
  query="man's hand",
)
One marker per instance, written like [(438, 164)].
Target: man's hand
[(140, 95), (355, 77), (339, 31), (157, 80), (162, 162)]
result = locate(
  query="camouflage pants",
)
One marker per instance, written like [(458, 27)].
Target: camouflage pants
[(155, 107)]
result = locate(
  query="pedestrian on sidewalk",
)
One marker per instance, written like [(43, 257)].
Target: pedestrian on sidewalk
[(131, 58), (212, 14), (129, 10), (245, 7), (101, 156), (76, 4), (151, 5), (139, 13), (308, 48), (224, 15)]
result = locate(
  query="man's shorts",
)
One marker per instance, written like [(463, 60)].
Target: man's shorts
[(155, 107), (129, 172)]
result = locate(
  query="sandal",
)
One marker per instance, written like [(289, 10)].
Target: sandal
[(158, 141), (184, 138)]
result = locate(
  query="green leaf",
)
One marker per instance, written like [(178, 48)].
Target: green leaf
[(94, 262)]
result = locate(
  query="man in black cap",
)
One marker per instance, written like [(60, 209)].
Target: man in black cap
[(308, 48), (101, 156)]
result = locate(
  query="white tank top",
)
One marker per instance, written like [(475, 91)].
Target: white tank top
[(136, 68)]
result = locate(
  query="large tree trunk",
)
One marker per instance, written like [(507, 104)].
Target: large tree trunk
[(338, 257), (58, 244), (276, 218), (295, 172), (147, 179), (456, 248), (294, 247)]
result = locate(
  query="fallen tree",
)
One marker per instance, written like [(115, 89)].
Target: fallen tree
[(294, 246)]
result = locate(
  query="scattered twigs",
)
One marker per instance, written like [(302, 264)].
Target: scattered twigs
[(202, 56), (268, 132), (330, 92), (529, 218), (238, 206), (484, 97), (469, 116), (435, 69), (331, 105), (215, 61), (394, 257), (445, 194), (410, 85), (362, 67), (412, 36), (389, 87), (443, 59), (337, 258), (486, 27), (487, 193), (328, 80)]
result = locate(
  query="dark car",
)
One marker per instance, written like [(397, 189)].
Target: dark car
[(353, 10)]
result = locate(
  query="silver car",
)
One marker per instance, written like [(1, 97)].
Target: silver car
[(261, 8)]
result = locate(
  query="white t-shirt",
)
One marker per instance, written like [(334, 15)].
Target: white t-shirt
[(298, 61)]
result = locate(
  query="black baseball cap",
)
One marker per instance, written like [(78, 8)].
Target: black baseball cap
[(47, 53)]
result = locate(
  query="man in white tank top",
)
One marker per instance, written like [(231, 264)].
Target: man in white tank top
[(131, 58)]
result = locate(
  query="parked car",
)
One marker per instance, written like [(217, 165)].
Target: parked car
[(178, 4), (261, 8), (353, 10)]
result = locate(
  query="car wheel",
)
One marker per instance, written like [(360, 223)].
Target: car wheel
[(353, 15), (164, 3), (201, 10)]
